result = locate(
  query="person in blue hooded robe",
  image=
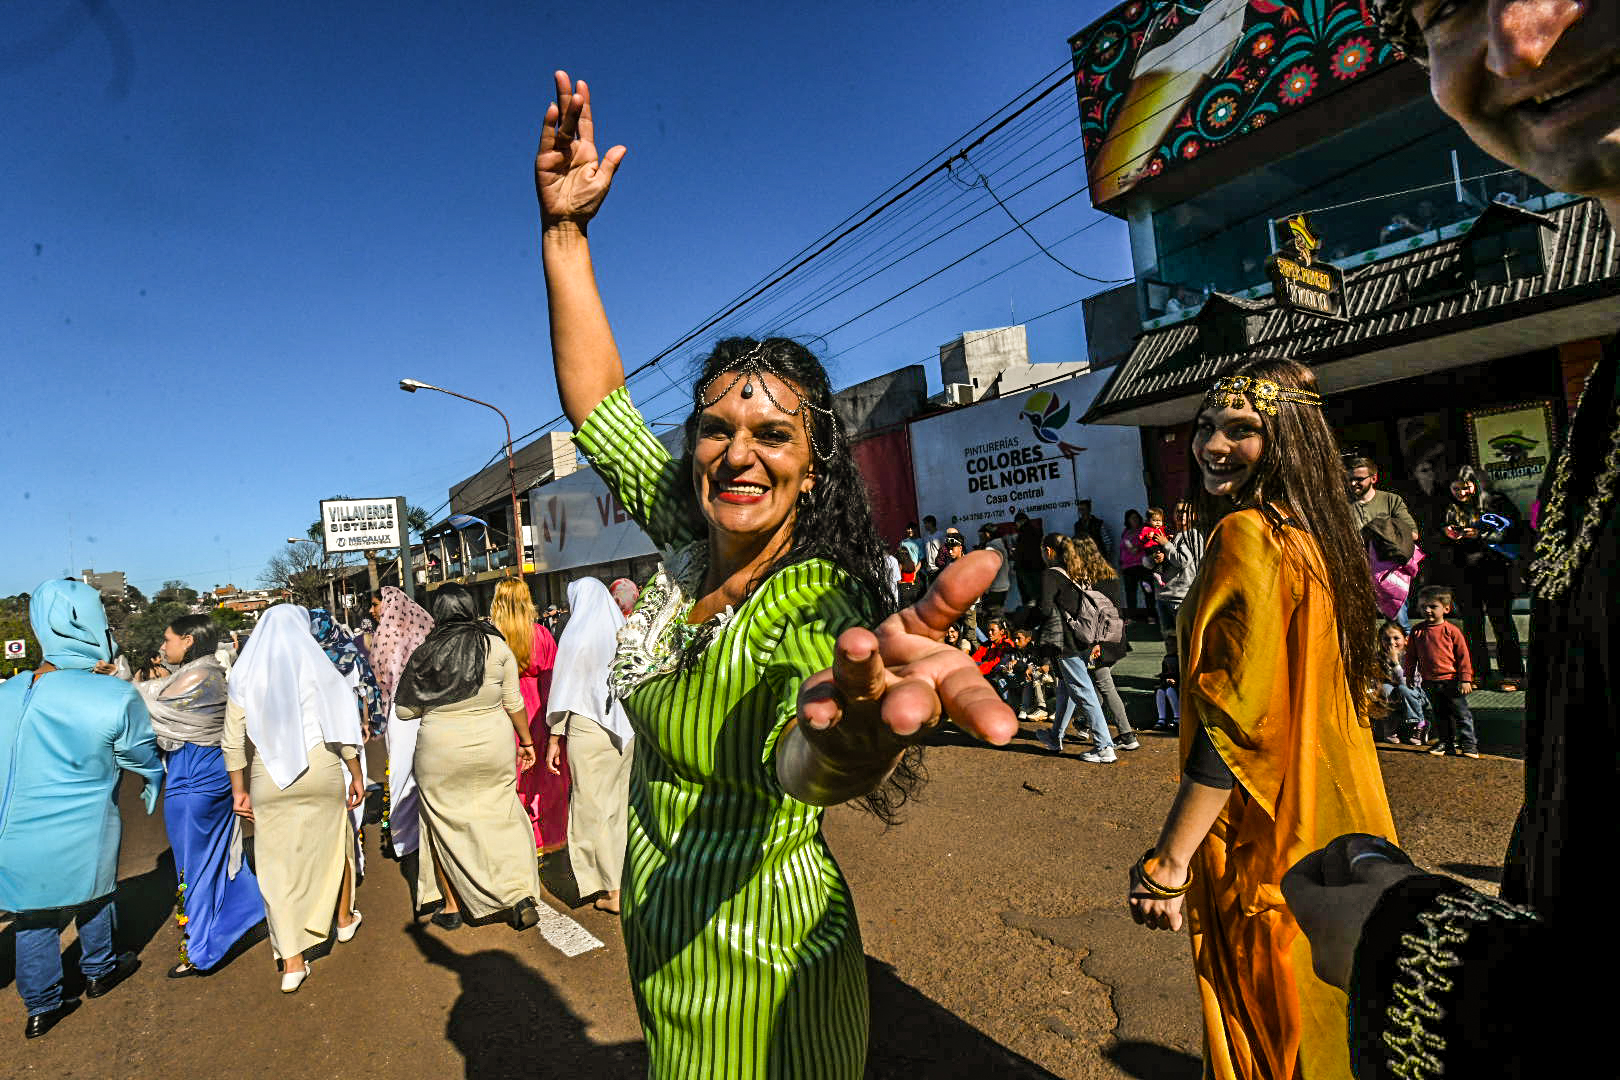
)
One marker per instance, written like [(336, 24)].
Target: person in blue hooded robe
[(65, 733)]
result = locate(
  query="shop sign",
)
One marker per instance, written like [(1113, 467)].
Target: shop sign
[(1512, 446), (1298, 281), (577, 522), (362, 524), (16, 649), (1026, 452)]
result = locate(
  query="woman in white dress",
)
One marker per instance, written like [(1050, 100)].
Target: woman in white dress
[(599, 741), (303, 777)]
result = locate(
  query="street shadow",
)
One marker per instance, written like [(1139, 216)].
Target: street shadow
[(495, 988), (1151, 1061), (913, 1036), (1477, 871), (557, 876)]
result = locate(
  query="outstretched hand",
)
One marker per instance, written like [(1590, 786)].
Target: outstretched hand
[(889, 687), (569, 176)]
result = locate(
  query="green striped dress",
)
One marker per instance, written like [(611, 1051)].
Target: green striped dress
[(741, 933)]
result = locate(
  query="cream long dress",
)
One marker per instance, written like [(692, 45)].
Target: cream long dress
[(599, 803), (473, 828), (303, 838)]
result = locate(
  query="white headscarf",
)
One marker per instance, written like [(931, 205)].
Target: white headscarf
[(292, 694), (579, 681)]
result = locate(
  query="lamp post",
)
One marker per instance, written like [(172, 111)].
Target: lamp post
[(411, 386), (331, 595)]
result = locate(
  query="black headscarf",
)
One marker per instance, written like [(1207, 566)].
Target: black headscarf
[(449, 664)]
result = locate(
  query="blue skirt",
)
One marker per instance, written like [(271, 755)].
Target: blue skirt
[(218, 908)]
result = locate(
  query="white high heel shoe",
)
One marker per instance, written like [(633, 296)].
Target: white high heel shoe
[(346, 933), (292, 980)]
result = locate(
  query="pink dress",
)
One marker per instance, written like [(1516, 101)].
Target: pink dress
[(544, 797)]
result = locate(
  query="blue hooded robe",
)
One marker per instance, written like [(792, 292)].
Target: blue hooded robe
[(63, 740)]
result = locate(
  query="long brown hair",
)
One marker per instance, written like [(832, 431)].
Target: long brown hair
[(1300, 470), (513, 614), (1068, 560), (1093, 566)]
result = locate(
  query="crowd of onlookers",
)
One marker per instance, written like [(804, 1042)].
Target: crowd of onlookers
[(1443, 560)]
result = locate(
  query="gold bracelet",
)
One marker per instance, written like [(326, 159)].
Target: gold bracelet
[(1153, 888)]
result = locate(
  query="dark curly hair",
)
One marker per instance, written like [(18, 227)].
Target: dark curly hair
[(833, 520), (1300, 470)]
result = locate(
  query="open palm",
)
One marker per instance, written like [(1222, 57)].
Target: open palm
[(889, 686), (570, 177)]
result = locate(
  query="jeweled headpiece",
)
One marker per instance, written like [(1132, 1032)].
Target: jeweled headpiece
[(1230, 391), (750, 369)]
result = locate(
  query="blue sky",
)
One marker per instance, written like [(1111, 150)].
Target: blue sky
[(229, 230)]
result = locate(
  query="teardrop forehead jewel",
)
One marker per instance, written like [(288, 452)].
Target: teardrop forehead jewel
[(750, 369), (1236, 391)]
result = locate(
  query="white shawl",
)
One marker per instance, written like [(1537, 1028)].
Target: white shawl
[(292, 694), (579, 680)]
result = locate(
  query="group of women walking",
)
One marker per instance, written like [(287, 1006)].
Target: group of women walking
[(278, 742)]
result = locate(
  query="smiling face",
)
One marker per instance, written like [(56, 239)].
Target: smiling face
[(1361, 480), (1393, 639), (1462, 490), (1536, 83), (1227, 443), (174, 647), (750, 463)]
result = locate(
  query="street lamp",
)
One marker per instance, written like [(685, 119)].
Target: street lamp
[(411, 386)]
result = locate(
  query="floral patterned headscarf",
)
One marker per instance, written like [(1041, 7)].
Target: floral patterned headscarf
[(346, 656), (401, 627)]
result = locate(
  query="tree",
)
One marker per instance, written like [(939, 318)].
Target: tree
[(228, 618), (299, 570), (143, 634), (135, 600), (176, 592)]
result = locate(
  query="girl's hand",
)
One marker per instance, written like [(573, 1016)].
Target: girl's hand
[(889, 687), (357, 792), (1153, 913), (569, 176), (242, 805), (554, 755), (525, 757)]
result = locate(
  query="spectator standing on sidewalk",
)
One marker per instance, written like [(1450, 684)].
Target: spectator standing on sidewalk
[(1060, 604), (1175, 566), (65, 732), (1483, 530), (994, 601), (1391, 535), (1135, 574), (1438, 652), (1088, 524), (1028, 563)]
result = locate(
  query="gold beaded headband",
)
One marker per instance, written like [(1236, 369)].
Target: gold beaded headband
[(1229, 392)]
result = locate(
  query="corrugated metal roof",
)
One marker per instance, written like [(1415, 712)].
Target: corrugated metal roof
[(1387, 307)]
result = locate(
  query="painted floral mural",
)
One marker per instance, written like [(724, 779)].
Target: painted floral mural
[(1165, 82)]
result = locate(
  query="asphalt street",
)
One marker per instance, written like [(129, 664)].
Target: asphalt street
[(994, 923)]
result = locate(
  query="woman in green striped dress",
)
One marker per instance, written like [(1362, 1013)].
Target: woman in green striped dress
[(748, 671)]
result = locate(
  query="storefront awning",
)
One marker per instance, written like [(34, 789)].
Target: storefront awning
[(1426, 310)]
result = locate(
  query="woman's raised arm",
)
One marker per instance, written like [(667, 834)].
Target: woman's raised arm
[(571, 180)]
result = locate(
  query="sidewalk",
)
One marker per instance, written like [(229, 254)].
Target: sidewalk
[(1498, 717)]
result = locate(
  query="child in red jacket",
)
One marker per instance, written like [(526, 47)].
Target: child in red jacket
[(1438, 652)]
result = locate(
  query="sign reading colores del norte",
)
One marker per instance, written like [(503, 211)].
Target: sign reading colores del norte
[(982, 463), (362, 524)]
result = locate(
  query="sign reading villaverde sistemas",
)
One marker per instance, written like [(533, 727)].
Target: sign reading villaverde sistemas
[(360, 524)]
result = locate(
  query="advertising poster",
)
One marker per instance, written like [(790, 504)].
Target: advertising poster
[(983, 463), (1163, 82), (575, 521), (1513, 446)]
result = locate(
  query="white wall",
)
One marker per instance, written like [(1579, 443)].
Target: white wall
[(982, 462)]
